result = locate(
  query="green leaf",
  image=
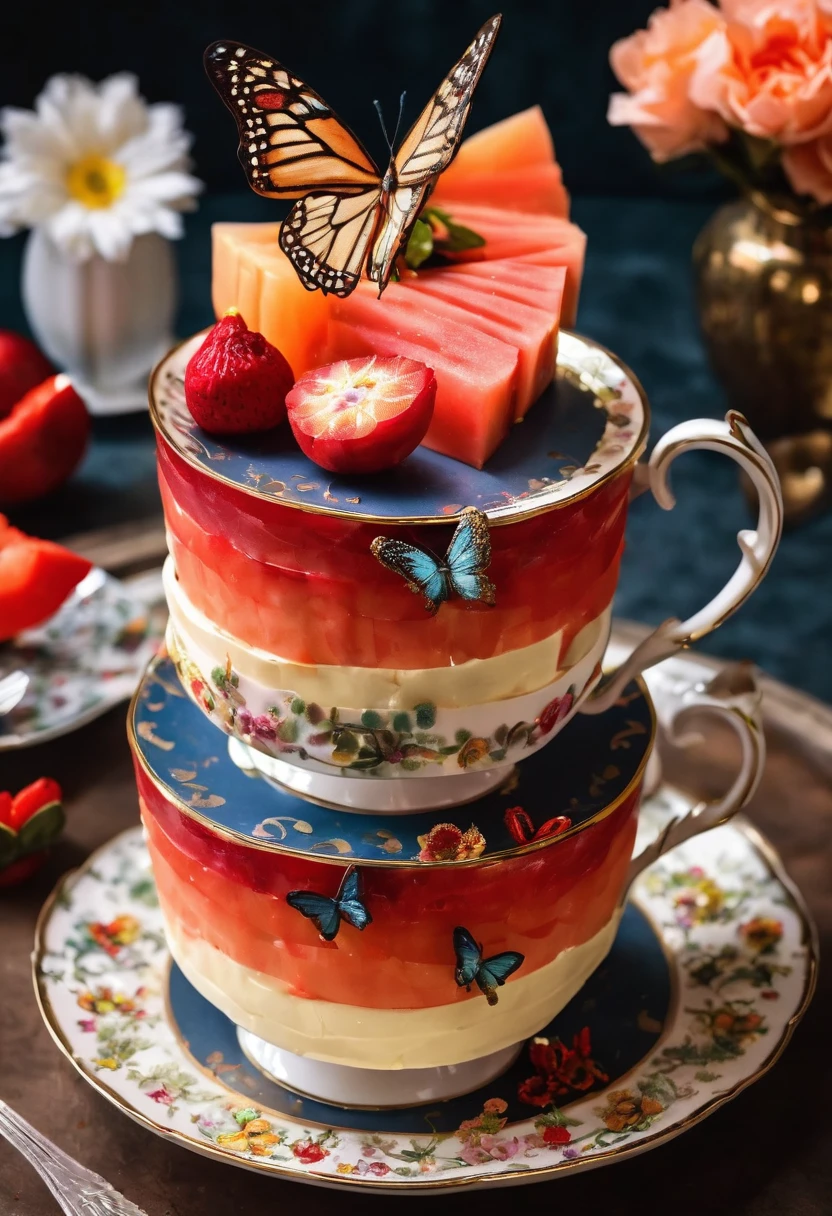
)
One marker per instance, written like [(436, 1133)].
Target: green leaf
[(287, 732), (410, 766), (346, 742), (246, 1116), (461, 238), (314, 713), (659, 1086), (8, 846), (425, 714), (462, 736), (420, 245), (402, 723), (298, 706), (371, 719), (44, 826)]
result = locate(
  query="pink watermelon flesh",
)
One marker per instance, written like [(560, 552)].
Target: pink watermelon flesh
[(532, 329), (476, 374), (536, 189)]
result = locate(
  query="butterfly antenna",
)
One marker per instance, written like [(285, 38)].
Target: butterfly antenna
[(399, 119), (377, 105)]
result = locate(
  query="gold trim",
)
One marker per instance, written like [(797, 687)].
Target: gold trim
[(344, 1181), (412, 520), (392, 863)]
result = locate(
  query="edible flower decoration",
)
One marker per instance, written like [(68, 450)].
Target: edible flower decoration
[(29, 822), (521, 828), (95, 166), (447, 842)]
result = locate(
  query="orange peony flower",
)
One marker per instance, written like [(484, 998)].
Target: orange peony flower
[(656, 66), (809, 168), (768, 71)]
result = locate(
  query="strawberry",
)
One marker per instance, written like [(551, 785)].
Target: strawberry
[(362, 415), (36, 576), (237, 381), (22, 366), (29, 823), (42, 440)]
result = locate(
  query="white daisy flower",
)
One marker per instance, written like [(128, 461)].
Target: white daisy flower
[(95, 165)]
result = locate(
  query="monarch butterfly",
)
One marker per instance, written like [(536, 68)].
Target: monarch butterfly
[(347, 215)]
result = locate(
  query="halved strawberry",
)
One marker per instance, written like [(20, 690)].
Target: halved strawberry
[(36, 576), (362, 415), (42, 440), (22, 366), (237, 381)]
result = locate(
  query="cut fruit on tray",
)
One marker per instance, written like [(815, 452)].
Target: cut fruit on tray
[(36, 576), (509, 164), (362, 415)]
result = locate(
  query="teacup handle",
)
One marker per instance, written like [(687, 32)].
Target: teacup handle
[(734, 437), (742, 713)]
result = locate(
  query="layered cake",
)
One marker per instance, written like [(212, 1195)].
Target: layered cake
[(395, 486)]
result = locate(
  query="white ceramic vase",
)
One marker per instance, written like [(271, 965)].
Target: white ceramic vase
[(104, 323)]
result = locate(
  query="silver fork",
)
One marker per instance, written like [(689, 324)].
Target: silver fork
[(78, 1190), (12, 691)]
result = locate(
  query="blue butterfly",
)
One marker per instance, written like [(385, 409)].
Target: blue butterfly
[(461, 571), (489, 973), (326, 914)]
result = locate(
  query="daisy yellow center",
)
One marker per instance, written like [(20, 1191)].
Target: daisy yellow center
[(95, 181)]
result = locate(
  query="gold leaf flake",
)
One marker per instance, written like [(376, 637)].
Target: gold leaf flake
[(353, 500), (649, 1024), (145, 731), (208, 803), (303, 826), (183, 774), (336, 844)]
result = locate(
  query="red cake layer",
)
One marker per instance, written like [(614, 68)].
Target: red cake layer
[(234, 897), (307, 587)]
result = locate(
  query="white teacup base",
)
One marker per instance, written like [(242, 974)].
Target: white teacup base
[(341, 1085), (381, 796)]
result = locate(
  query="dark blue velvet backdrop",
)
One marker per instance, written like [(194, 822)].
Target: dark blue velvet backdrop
[(637, 296)]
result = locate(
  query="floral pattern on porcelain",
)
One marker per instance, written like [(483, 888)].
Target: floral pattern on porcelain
[(378, 742), (101, 971), (86, 658)]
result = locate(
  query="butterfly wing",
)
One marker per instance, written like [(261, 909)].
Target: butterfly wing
[(350, 904), (427, 149), (468, 958), (291, 142), (320, 909), (326, 236), (422, 572), (469, 555), (494, 972)]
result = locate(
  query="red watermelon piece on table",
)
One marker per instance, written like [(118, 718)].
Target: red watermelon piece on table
[(476, 374)]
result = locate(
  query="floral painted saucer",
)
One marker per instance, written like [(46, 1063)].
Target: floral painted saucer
[(84, 660), (713, 966)]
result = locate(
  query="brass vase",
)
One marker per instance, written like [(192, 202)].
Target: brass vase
[(764, 288)]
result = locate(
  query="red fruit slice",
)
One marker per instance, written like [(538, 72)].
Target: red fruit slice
[(362, 415), (31, 799), (22, 366), (5, 808), (237, 381), (36, 576), (42, 440)]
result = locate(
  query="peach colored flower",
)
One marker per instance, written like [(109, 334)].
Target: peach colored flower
[(809, 168), (656, 66), (768, 71)]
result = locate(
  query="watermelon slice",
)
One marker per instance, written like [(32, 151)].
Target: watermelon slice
[(512, 234), (476, 374), (536, 189), (509, 164), (530, 323)]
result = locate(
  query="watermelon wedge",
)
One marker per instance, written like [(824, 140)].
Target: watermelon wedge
[(528, 322), (476, 374), (509, 164)]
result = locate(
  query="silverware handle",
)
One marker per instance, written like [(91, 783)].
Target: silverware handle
[(79, 1191)]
